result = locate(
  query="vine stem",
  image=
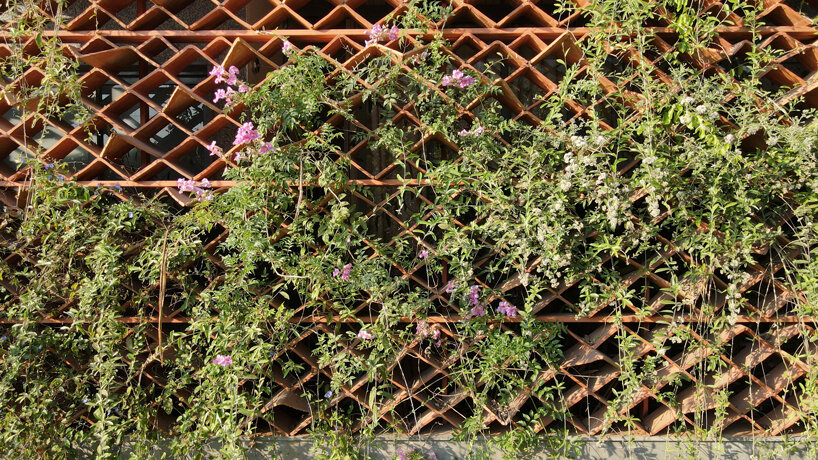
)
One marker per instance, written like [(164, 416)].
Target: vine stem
[(162, 282)]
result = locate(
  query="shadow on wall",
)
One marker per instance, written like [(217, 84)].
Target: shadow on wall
[(613, 448)]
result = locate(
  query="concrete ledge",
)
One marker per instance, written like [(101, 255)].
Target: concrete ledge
[(609, 448)]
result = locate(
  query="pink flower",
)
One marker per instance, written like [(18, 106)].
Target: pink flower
[(200, 191), (215, 150), (218, 72), (424, 330), (379, 33), (365, 335), (375, 32), (423, 254), (226, 94), (287, 48), (223, 360), (474, 295), (266, 148), (468, 80), (475, 132), (185, 185), (451, 286), (418, 58), (507, 309), (344, 272), (232, 74), (245, 134), (243, 88), (458, 77), (478, 311)]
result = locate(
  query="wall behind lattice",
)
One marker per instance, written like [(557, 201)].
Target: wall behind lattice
[(145, 78)]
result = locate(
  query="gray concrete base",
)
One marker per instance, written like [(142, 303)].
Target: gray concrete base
[(610, 448)]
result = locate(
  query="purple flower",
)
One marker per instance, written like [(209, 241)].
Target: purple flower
[(243, 88), (451, 286), (447, 80), (394, 32), (507, 309), (245, 134), (365, 335), (336, 272), (223, 360), (478, 311), (423, 254), (464, 132), (474, 294), (404, 455), (328, 394), (48, 165)]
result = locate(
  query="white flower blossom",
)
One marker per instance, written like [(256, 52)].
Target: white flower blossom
[(579, 142), (565, 185)]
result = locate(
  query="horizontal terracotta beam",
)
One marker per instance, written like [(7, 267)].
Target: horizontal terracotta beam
[(566, 318), (325, 35), (219, 183)]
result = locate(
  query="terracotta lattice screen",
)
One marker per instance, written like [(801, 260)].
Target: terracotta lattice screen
[(145, 77)]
